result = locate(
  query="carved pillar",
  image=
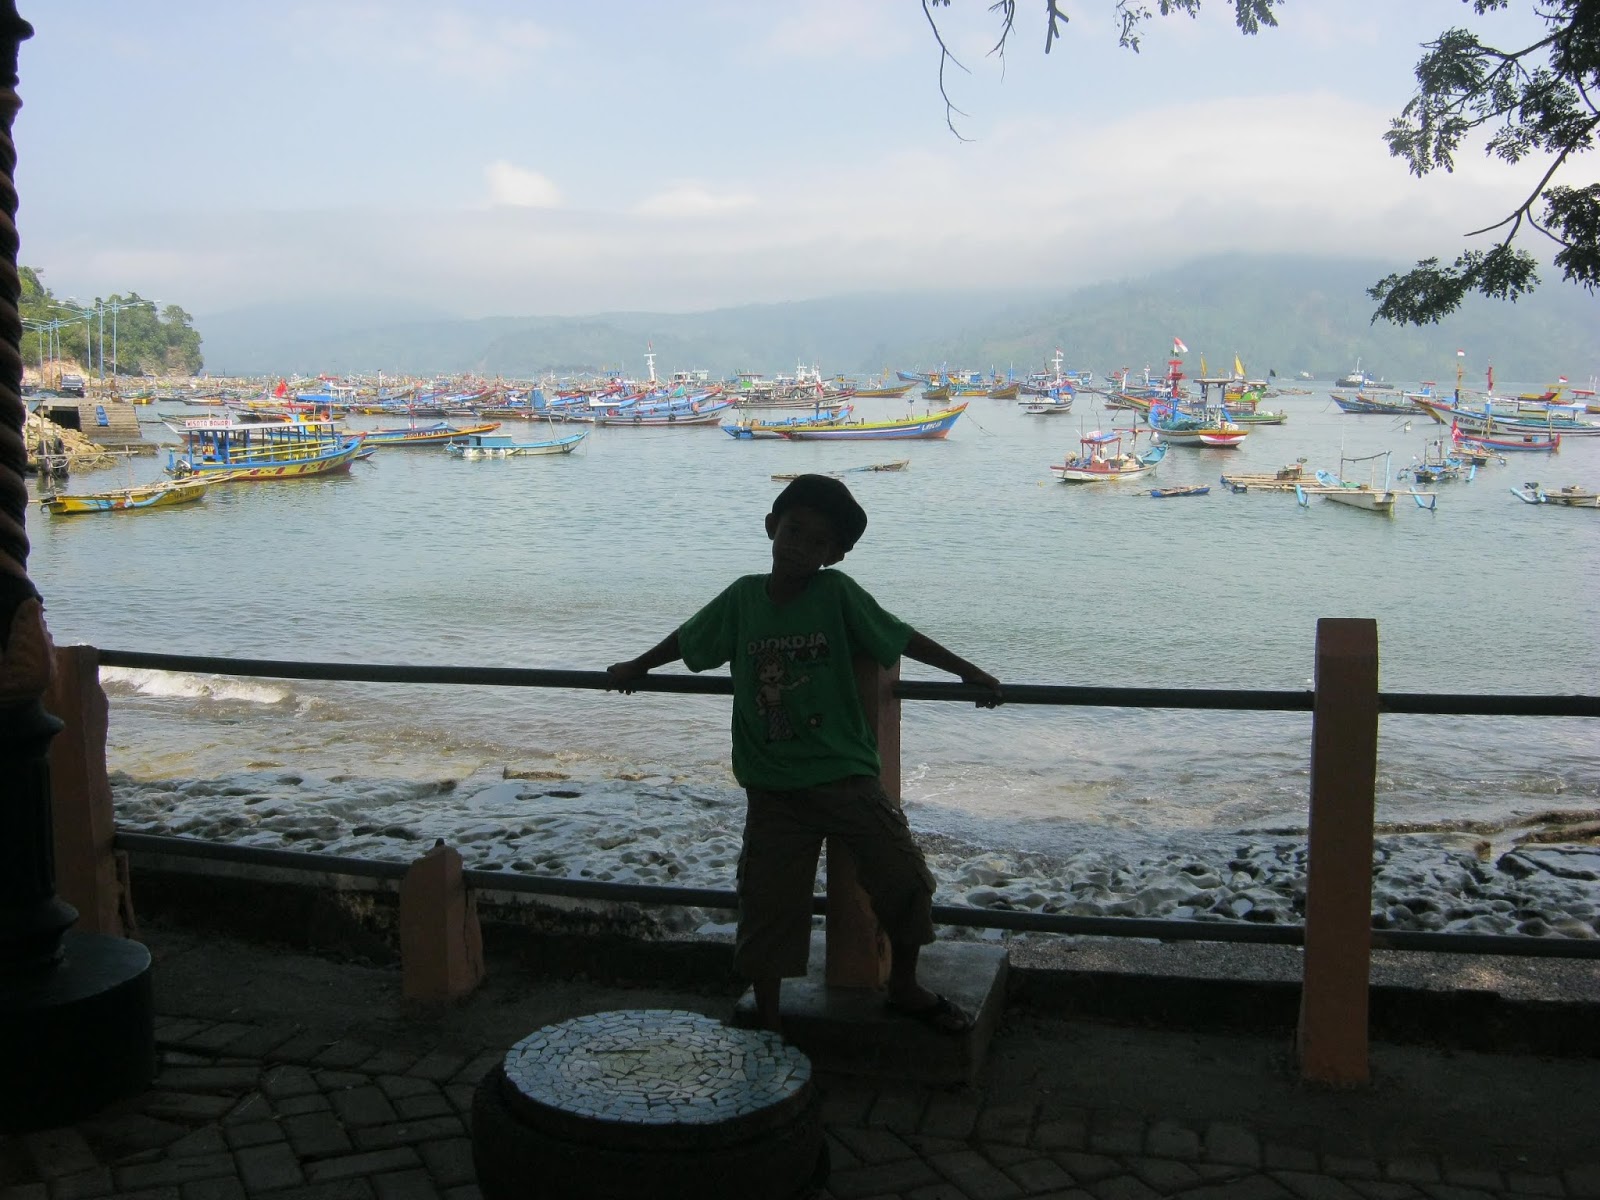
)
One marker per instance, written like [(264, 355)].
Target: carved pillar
[(75, 1010)]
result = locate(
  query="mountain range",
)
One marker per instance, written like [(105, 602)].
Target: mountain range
[(1290, 315)]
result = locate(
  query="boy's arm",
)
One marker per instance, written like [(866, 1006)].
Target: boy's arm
[(925, 650), (625, 674)]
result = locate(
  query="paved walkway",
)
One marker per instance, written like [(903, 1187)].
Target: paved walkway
[(292, 1078)]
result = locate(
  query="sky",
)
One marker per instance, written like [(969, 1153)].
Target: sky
[(524, 157)]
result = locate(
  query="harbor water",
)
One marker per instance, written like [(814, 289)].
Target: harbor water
[(577, 561)]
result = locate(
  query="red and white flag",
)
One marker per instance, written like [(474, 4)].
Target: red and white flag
[(1461, 353), (1561, 378), (1178, 347)]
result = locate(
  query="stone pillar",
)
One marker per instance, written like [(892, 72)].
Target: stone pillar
[(857, 950), (441, 943), (76, 1018), (1331, 1042)]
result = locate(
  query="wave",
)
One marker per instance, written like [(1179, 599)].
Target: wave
[(129, 681)]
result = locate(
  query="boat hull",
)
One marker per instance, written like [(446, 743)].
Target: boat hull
[(159, 495), (934, 425)]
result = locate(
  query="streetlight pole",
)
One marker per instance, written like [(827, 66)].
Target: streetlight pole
[(76, 1015)]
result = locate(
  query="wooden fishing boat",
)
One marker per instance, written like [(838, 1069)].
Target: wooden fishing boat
[(899, 464), (1102, 458), (930, 425), (670, 414), (1193, 489), (1368, 497), (436, 434), (942, 391), (222, 450), (163, 494), (500, 445), (1285, 479), (886, 391), (1362, 404), (757, 428), (1501, 441), (1572, 496), (1004, 391)]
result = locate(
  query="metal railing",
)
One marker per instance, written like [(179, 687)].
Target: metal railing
[(1411, 703)]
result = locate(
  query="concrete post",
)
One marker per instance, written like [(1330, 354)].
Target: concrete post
[(441, 944), (1331, 1042), (857, 950), (88, 874)]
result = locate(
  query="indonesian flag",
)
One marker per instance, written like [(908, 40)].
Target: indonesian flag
[(1561, 378), (1178, 347), (1461, 353)]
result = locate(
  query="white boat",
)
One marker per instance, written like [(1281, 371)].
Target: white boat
[(1103, 458), (1369, 497)]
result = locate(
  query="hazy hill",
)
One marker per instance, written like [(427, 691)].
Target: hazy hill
[(1284, 313)]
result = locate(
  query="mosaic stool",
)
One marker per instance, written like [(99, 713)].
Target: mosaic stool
[(649, 1103)]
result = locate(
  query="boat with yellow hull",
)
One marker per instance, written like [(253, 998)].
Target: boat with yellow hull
[(930, 425), (163, 494), (226, 451)]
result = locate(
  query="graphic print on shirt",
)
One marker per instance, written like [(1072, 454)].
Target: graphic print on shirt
[(776, 663)]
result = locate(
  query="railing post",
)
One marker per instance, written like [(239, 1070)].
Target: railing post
[(89, 875), (1331, 1041), (857, 950), (441, 943)]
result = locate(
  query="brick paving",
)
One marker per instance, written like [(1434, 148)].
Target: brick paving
[(285, 1111)]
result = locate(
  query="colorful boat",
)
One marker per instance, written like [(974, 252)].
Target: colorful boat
[(164, 494), (751, 428), (436, 434), (1492, 438), (222, 450), (930, 425), (1363, 404), (500, 445), (1366, 496), (1103, 459), (672, 413)]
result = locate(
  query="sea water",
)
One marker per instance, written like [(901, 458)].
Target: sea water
[(578, 561)]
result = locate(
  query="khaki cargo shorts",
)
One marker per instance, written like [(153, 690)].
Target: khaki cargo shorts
[(783, 834)]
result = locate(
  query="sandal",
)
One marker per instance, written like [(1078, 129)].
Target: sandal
[(942, 1016)]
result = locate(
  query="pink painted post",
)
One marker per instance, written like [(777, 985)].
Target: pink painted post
[(857, 951), (441, 943), (1332, 1038), (89, 875)]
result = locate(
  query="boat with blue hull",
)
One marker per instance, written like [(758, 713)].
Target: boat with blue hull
[(501, 445), (225, 451)]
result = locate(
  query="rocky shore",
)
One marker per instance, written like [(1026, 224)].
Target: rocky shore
[(656, 831)]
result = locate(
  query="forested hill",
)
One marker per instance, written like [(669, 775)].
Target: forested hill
[(1279, 313)]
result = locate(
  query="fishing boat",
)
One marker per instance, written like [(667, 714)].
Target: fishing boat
[(1364, 405), (1193, 489), (930, 425), (1285, 479), (674, 412), (1366, 496), (899, 464), (757, 428), (1103, 458), (887, 390), (437, 434), (1500, 441), (162, 494), (1572, 496), (1004, 391), (500, 445), (1051, 405), (1440, 464), (220, 449)]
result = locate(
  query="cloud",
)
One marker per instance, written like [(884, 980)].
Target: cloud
[(690, 199), (511, 186)]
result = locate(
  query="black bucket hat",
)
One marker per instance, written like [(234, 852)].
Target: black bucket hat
[(830, 498)]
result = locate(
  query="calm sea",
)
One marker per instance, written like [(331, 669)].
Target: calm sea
[(578, 561)]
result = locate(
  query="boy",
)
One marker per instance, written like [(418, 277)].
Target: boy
[(802, 748)]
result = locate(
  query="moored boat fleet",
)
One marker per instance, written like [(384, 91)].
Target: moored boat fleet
[(290, 433)]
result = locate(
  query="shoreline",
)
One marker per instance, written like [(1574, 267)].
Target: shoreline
[(656, 831)]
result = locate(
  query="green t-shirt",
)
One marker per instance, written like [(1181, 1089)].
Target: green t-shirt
[(797, 719)]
